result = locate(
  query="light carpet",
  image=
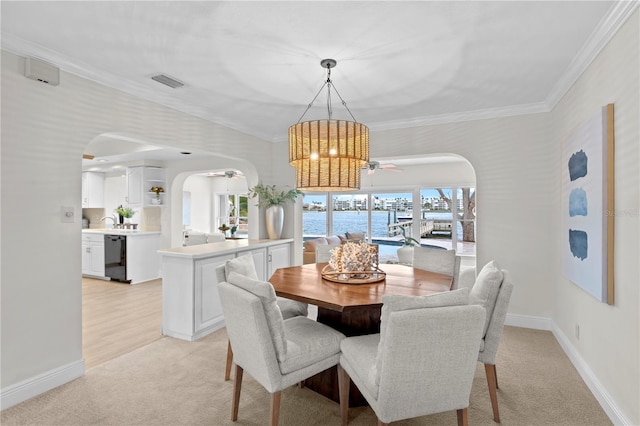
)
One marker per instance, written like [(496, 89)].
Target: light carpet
[(174, 382)]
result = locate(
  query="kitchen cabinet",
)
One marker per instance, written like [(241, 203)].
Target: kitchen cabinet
[(191, 305), (92, 190), (278, 257), (93, 255), (142, 257), (208, 310), (260, 260), (140, 180), (143, 260)]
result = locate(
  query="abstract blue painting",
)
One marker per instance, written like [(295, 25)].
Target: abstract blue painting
[(585, 254)]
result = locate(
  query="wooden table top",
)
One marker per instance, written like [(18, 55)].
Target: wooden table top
[(305, 284)]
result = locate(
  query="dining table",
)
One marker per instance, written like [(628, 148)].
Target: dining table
[(352, 308)]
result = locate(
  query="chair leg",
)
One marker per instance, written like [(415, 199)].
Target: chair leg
[(237, 385), (381, 423), (344, 382), (490, 370), (275, 408), (227, 369), (495, 373), (463, 417)]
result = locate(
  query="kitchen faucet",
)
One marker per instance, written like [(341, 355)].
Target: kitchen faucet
[(115, 221)]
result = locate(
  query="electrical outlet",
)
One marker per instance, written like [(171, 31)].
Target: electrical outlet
[(577, 331)]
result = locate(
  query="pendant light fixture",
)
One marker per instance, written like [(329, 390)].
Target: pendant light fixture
[(328, 154)]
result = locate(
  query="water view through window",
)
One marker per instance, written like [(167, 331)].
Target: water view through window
[(381, 216)]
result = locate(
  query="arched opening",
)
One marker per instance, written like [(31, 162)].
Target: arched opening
[(118, 317), (430, 198)]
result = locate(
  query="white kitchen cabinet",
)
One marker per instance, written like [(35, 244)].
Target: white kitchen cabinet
[(260, 261), (140, 180), (134, 186), (93, 255), (92, 190), (143, 259), (208, 310), (191, 306), (278, 256)]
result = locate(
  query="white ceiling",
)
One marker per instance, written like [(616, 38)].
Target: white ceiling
[(254, 66)]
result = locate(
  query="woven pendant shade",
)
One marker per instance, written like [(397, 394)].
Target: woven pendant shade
[(328, 154)]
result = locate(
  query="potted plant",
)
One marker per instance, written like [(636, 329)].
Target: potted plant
[(223, 228), (158, 190), (273, 199), (234, 228), (125, 212), (405, 253)]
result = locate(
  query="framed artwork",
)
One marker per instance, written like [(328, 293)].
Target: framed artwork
[(587, 205)]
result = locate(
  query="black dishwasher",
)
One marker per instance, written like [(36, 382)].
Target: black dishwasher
[(115, 257)]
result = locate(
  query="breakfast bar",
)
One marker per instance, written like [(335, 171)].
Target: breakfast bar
[(190, 303)]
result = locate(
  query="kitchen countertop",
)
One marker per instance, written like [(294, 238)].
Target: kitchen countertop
[(127, 232), (221, 247)]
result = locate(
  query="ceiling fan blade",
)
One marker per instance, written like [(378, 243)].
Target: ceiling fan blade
[(87, 157), (389, 167)]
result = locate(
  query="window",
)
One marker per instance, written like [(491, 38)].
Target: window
[(442, 215), (314, 215), (349, 214), (234, 212)]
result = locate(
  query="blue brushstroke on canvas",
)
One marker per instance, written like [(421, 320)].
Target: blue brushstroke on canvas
[(578, 242), (578, 202), (578, 165)]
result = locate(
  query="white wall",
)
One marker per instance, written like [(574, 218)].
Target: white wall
[(514, 167), (115, 193), (44, 132), (609, 335)]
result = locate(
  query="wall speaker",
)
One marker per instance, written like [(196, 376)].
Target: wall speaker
[(36, 69)]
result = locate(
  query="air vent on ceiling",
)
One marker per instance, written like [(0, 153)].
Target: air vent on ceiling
[(167, 81)]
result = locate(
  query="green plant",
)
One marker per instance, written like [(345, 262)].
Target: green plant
[(268, 195), (234, 228), (127, 212), (408, 241), (223, 227)]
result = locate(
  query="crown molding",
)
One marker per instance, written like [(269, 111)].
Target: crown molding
[(21, 47), (618, 14), (457, 117), (481, 114)]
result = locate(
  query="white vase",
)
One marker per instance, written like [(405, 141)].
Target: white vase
[(274, 221), (405, 255)]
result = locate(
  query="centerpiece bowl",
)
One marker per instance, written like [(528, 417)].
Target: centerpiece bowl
[(354, 263)]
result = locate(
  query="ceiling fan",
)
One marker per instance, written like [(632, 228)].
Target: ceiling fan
[(229, 174), (375, 165)]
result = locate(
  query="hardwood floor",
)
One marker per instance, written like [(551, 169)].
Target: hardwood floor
[(118, 318)]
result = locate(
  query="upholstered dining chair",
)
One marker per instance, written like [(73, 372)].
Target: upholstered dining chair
[(438, 260), (422, 361), (277, 353), (492, 290), (244, 265), (323, 252)]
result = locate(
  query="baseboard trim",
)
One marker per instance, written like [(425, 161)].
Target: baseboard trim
[(197, 335), (526, 321), (597, 389), (16, 393)]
